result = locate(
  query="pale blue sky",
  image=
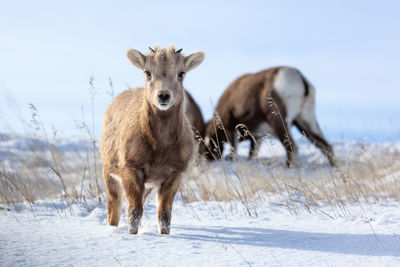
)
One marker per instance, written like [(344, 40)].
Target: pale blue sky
[(350, 51)]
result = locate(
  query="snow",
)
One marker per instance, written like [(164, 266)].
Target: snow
[(48, 235), (208, 233)]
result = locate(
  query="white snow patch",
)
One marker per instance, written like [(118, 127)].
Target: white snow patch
[(42, 237)]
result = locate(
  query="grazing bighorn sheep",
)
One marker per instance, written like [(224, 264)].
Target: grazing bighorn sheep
[(194, 116), (269, 101), (147, 140)]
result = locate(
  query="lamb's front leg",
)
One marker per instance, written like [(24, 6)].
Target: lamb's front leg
[(133, 185), (166, 194)]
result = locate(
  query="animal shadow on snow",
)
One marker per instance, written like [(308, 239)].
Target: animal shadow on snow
[(359, 244)]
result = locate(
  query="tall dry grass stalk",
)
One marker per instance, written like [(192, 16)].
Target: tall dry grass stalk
[(364, 175), (43, 170)]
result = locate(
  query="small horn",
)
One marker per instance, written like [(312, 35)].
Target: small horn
[(151, 49), (178, 51)]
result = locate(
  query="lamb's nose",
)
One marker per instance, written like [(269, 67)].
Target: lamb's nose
[(163, 97)]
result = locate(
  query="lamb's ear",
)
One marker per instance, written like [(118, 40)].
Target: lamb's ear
[(193, 60), (136, 58)]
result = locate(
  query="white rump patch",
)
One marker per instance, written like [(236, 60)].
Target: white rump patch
[(289, 86)]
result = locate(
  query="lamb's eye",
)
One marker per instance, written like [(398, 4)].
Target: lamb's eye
[(181, 74), (148, 74)]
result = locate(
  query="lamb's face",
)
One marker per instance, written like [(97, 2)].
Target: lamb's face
[(165, 70)]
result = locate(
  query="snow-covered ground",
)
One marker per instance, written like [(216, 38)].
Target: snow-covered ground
[(206, 233), (48, 236)]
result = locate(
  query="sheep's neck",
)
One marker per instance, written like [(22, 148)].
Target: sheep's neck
[(162, 128)]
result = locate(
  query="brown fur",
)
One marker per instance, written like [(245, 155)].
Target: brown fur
[(250, 100), (143, 144), (193, 113)]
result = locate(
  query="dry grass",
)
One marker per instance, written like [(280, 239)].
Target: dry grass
[(365, 174), (43, 170)]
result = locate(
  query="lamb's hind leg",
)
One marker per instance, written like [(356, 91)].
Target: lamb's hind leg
[(133, 185), (165, 197), (113, 190)]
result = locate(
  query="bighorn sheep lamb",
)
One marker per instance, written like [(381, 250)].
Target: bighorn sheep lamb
[(269, 101), (147, 140)]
